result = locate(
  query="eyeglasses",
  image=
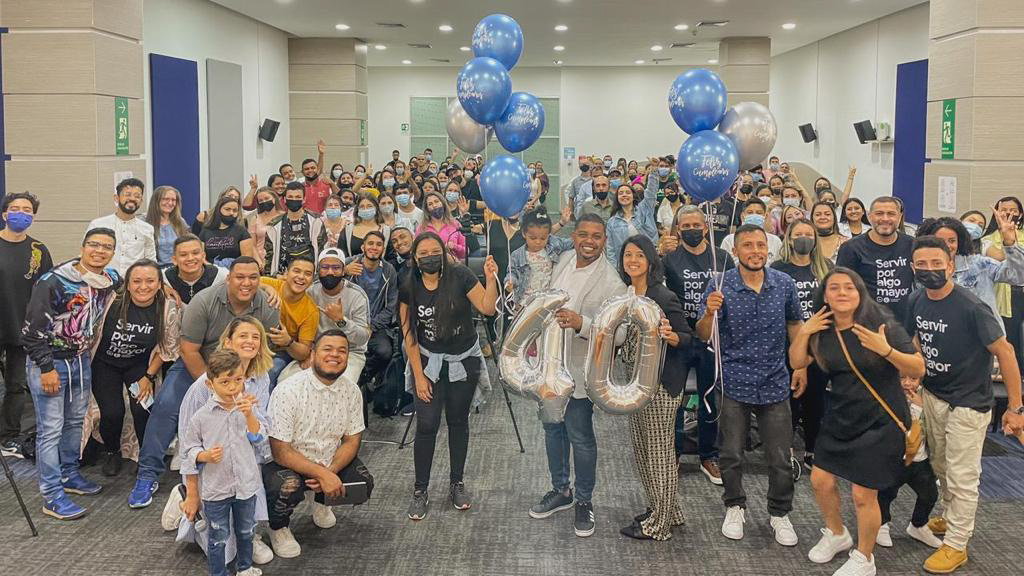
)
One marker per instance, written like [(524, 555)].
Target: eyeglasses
[(99, 246)]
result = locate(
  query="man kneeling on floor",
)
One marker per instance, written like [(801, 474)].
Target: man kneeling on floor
[(316, 424)]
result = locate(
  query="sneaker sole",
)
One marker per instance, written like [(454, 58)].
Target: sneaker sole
[(949, 571), (13, 454), (584, 533), (842, 549), (416, 518), (542, 515), (138, 505), (712, 479), (917, 538), (81, 492), (53, 514), (457, 507)]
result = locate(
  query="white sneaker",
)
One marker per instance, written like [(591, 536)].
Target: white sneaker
[(284, 543), (732, 527), (252, 571), (884, 538), (857, 565), (323, 516), (171, 516), (261, 553), (784, 533), (924, 535), (830, 545)]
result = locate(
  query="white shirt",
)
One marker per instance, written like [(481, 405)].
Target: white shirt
[(774, 246), (665, 214), (314, 418), (411, 220), (134, 240), (844, 229)]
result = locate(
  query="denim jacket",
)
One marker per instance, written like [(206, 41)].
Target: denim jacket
[(643, 219), (519, 266), (979, 274)]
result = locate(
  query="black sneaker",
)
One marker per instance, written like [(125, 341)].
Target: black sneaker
[(11, 449), (584, 523), (552, 502), (419, 505), (460, 497), (112, 464)]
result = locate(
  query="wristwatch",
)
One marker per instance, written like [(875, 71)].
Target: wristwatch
[(150, 377), (1019, 411), (342, 323)]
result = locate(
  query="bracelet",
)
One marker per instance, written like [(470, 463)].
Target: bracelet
[(888, 353)]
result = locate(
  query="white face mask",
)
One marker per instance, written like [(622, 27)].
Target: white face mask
[(337, 173)]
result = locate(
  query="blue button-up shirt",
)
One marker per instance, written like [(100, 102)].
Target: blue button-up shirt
[(752, 329), (237, 475)]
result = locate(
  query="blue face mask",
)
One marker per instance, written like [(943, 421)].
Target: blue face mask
[(756, 177), (451, 197), (18, 222), (974, 230), (663, 171), (754, 220), (387, 182), (791, 201), (615, 182), (532, 171), (428, 157), (333, 213), (403, 199), (367, 213)]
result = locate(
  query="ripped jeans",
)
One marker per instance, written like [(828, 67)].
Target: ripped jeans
[(286, 489), (220, 516)]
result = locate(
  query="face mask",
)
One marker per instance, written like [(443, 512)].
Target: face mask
[(931, 279), (345, 206), (532, 171), (387, 208), (129, 210), (631, 176), (388, 182), (766, 199), (312, 178), (428, 157), (973, 229), (400, 170), (776, 190), (616, 182), (757, 177), (584, 168), (437, 213), (823, 231), (672, 197), (774, 166), (18, 222), (337, 173), (467, 174), (791, 201), (265, 206), (607, 163), (754, 220), (293, 205), (333, 213), (228, 220), (432, 171), (600, 195), (822, 188), (430, 264), (360, 174), (803, 245), (403, 199), (330, 281), (451, 197), (746, 189), (367, 213), (692, 237), (663, 171)]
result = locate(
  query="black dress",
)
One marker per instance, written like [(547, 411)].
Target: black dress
[(858, 440)]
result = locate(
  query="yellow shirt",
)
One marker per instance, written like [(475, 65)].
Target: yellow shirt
[(299, 318)]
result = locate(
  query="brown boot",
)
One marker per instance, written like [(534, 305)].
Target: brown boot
[(945, 560)]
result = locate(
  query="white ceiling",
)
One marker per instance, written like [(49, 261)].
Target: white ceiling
[(600, 32)]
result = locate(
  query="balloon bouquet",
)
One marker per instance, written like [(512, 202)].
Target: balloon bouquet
[(710, 159)]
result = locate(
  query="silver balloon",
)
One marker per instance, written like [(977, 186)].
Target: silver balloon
[(604, 391), (467, 134), (545, 379), (751, 127)]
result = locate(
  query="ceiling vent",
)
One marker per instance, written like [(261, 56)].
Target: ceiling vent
[(660, 60), (441, 60), (717, 23), (682, 44), (424, 46), (390, 24)]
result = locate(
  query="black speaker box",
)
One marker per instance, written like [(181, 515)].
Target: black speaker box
[(268, 130)]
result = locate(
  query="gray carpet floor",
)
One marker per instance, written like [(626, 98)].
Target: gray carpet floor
[(496, 537)]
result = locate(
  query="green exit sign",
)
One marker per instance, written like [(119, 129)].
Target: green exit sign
[(121, 126), (948, 128)]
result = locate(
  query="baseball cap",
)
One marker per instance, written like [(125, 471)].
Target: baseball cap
[(331, 253)]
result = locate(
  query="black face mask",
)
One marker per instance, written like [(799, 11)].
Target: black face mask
[(692, 237), (312, 178), (823, 231), (746, 189), (803, 245), (294, 205), (672, 197), (265, 206), (228, 220), (330, 281), (584, 168), (776, 191), (931, 279), (600, 195), (346, 206), (430, 264)]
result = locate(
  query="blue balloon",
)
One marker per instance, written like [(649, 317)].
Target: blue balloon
[(521, 124), (483, 87), (696, 100), (505, 185), (707, 165), (499, 36)]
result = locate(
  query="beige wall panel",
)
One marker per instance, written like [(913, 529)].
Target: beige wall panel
[(950, 16), (118, 67), (319, 77), (737, 97), (963, 137), (999, 64), (962, 172), (996, 128), (91, 193), (64, 239), (322, 51), (53, 125), (326, 105), (951, 65), (333, 132), (348, 156), (743, 50), (992, 181), (1000, 13), (745, 78), (122, 17), (58, 63)]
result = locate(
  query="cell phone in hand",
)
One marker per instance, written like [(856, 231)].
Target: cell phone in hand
[(355, 493), (134, 390)]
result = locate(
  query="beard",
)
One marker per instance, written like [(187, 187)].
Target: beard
[(327, 375), (128, 207), (751, 268)]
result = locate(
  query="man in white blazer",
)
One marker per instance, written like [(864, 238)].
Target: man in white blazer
[(590, 280)]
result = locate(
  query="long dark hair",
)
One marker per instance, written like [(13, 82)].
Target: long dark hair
[(655, 270), (964, 243), (447, 291), (869, 314), (213, 221), (863, 210), (159, 300), (993, 223)]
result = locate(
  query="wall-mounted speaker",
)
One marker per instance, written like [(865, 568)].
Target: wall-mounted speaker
[(865, 131), (808, 133), (268, 130)]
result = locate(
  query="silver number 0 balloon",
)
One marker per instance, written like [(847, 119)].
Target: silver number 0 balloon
[(546, 378), (624, 398)]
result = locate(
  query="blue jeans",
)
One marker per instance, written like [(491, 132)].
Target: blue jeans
[(59, 420), (163, 421), (221, 515), (577, 431), (281, 361)]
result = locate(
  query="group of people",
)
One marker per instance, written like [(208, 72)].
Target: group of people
[(258, 336)]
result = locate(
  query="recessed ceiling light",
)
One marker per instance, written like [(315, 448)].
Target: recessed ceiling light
[(656, 48), (682, 26), (464, 48), (561, 28), (558, 62), (559, 48), (406, 61), (788, 26), (342, 26), (713, 61), (638, 61), (444, 28), (380, 47)]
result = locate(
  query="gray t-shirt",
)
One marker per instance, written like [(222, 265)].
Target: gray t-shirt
[(209, 313)]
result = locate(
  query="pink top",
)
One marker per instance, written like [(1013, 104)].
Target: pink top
[(258, 231), (450, 235)]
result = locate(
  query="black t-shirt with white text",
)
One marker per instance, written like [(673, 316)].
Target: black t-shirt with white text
[(806, 285), (128, 341), (954, 334), (460, 319), (687, 275), (885, 269)]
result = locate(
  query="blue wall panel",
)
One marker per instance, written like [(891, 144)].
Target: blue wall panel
[(174, 97), (909, 134)]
